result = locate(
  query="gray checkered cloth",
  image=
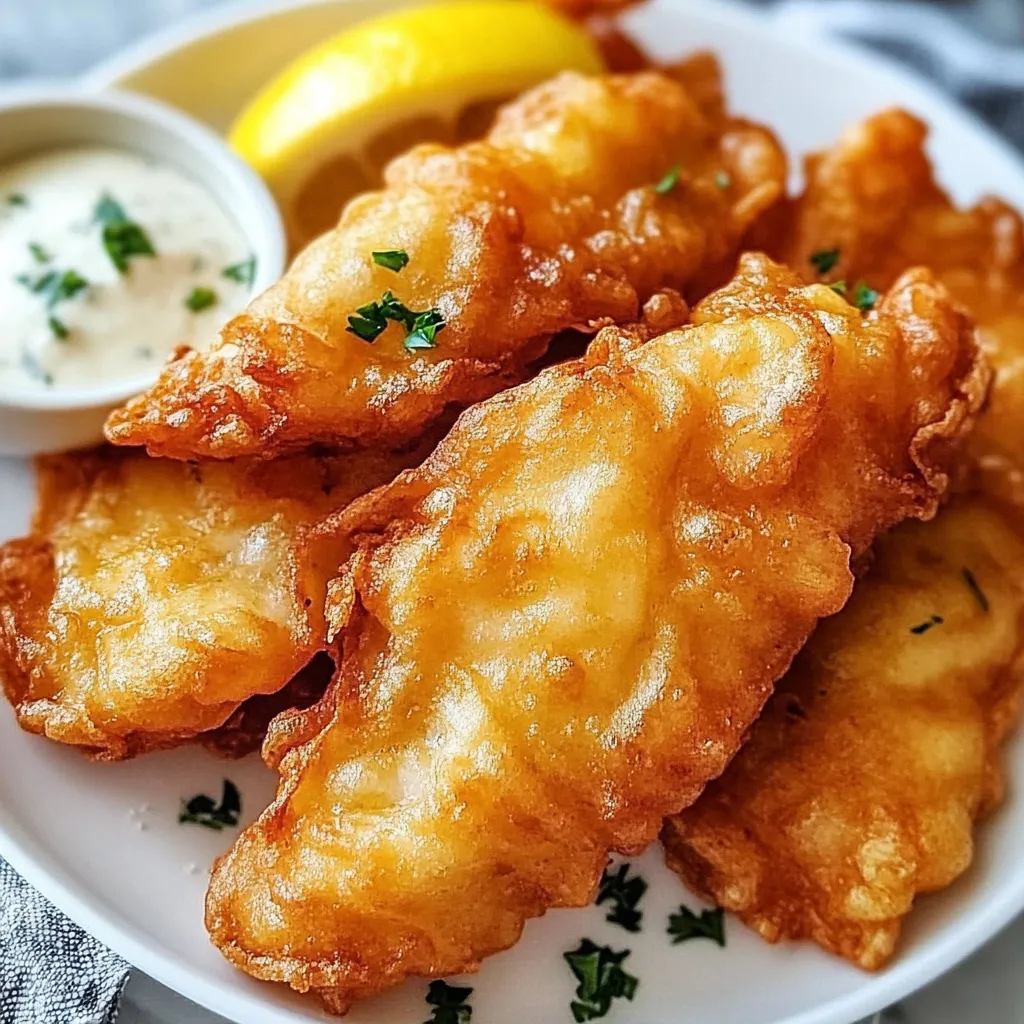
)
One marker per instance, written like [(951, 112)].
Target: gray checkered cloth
[(51, 972)]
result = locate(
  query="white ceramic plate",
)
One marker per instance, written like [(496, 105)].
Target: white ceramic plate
[(103, 843)]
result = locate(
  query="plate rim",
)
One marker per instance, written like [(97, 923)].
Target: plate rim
[(977, 925)]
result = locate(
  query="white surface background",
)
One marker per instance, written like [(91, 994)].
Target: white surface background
[(61, 37)]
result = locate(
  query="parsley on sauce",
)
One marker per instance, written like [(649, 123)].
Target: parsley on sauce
[(122, 238), (243, 273), (200, 298)]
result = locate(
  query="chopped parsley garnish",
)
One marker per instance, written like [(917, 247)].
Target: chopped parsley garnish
[(972, 581), (391, 259), (598, 969), (686, 925), (421, 328), (39, 254), (122, 238), (34, 369), (625, 893), (923, 627), (109, 211), (59, 328), (17, 199), (669, 181), (243, 273), (449, 1003), (824, 260), (424, 330), (54, 286), (202, 810), (839, 287), (201, 298), (864, 298), (722, 180)]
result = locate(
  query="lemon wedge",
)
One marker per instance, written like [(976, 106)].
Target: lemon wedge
[(323, 129)]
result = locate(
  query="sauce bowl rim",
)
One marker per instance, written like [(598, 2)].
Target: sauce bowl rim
[(262, 224)]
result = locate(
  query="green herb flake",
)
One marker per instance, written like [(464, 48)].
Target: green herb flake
[(864, 298), (839, 287), (669, 181), (39, 254), (421, 328), (17, 199), (391, 259), (972, 581), (109, 211), (722, 180), (624, 893), (200, 298), (54, 286), (686, 925), (34, 368), (59, 328), (202, 810), (243, 273), (122, 238), (824, 260), (923, 627), (449, 1003), (598, 969), (424, 330)]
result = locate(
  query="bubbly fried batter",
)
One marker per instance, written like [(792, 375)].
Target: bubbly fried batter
[(874, 198), (552, 222), (561, 626), (860, 784), (153, 596)]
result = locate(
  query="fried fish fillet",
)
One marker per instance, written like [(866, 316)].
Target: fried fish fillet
[(560, 627), (552, 222), (873, 199), (153, 596), (861, 782)]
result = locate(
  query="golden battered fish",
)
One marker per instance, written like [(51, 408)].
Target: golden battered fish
[(861, 782), (588, 196), (872, 200), (153, 597), (559, 628)]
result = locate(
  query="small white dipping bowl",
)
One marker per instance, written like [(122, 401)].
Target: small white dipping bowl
[(34, 120)]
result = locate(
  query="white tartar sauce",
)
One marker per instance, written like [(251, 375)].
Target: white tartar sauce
[(109, 260)]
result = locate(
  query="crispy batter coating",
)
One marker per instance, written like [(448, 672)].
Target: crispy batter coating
[(552, 222), (560, 627), (153, 596), (860, 784), (873, 196), (861, 781)]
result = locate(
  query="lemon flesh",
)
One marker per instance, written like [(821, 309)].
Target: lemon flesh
[(322, 130)]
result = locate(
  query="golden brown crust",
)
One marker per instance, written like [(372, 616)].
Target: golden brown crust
[(861, 781), (154, 597), (561, 626), (552, 222), (873, 197)]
